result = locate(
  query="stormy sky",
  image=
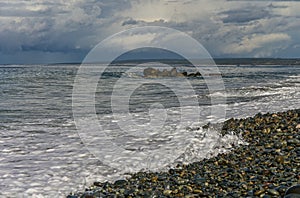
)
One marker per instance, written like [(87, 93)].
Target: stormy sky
[(43, 31)]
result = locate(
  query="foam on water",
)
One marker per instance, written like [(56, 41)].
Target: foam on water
[(43, 155)]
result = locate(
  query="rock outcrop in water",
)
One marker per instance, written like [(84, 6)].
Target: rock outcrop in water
[(156, 73)]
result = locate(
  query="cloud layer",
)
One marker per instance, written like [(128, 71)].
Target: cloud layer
[(65, 31)]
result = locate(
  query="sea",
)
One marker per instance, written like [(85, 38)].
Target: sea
[(45, 151)]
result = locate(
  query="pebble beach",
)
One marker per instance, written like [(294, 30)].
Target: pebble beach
[(266, 167)]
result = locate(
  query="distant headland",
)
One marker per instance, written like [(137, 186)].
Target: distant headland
[(218, 61)]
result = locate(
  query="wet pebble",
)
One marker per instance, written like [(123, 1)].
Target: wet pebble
[(264, 168)]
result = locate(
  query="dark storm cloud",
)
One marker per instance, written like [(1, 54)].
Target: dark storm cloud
[(245, 15), (130, 22)]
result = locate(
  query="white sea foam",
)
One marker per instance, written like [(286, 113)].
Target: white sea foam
[(43, 156)]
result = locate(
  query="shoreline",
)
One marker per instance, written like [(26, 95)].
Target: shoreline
[(267, 167)]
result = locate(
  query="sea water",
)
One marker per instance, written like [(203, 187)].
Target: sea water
[(43, 155)]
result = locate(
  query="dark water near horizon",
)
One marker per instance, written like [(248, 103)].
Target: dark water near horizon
[(42, 153)]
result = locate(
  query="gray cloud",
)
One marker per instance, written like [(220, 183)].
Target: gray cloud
[(245, 15), (130, 21), (226, 28)]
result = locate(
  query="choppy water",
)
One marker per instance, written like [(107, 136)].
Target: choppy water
[(43, 155)]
